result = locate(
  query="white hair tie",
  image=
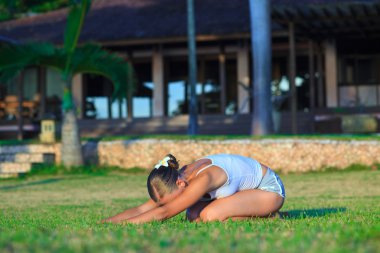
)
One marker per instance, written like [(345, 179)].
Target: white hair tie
[(163, 162)]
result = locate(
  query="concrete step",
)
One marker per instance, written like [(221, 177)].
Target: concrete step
[(32, 149), (10, 167), (7, 158), (35, 158), (8, 175), (28, 158)]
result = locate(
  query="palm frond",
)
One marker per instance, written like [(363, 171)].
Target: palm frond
[(16, 57), (91, 58), (74, 26)]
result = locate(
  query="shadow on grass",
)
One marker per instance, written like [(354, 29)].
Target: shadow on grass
[(40, 182), (310, 213)]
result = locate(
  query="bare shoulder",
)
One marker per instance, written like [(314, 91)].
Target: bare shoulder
[(216, 175), (189, 171)]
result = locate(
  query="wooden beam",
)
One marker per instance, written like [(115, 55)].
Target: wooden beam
[(325, 15)]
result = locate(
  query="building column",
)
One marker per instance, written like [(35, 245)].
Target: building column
[(78, 94), (331, 70), (158, 80), (243, 78)]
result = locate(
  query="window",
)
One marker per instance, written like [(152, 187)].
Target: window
[(359, 78), (143, 95), (208, 87), (98, 102)]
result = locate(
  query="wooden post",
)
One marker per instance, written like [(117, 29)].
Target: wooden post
[(129, 102), (108, 84), (20, 91), (222, 79), (292, 77), (129, 107), (158, 80), (320, 79), (243, 78), (120, 102), (202, 80), (331, 67), (42, 88), (312, 83)]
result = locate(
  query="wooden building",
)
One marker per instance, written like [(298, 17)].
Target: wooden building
[(329, 49)]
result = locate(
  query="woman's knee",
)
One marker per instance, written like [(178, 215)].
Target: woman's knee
[(211, 214)]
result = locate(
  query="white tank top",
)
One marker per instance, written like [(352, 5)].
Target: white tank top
[(242, 173)]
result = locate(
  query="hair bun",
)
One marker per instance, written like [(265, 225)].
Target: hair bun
[(173, 163)]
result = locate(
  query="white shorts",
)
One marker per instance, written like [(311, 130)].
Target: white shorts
[(271, 182)]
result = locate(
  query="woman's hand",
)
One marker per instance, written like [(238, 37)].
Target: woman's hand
[(196, 189), (130, 213)]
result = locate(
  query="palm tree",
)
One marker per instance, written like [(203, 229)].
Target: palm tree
[(70, 60), (193, 115), (262, 54)]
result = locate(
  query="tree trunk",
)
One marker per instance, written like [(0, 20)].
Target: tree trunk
[(193, 110), (71, 150), (262, 54)]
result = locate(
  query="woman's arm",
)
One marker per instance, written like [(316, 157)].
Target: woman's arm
[(202, 184), (132, 212)]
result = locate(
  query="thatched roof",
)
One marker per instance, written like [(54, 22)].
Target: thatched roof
[(139, 20)]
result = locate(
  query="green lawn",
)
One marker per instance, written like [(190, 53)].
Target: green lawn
[(327, 212)]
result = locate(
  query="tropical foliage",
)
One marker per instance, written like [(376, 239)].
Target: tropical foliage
[(70, 60), (10, 9), (90, 58)]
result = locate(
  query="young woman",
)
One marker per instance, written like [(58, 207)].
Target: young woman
[(216, 187)]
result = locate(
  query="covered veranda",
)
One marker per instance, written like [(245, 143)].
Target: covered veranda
[(323, 44)]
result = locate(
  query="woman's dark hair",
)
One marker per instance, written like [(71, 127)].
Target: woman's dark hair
[(162, 180)]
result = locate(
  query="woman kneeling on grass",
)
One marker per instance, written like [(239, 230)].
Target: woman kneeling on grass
[(216, 187)]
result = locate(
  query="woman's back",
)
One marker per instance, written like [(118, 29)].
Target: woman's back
[(242, 173)]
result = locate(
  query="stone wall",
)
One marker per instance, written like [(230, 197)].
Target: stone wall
[(287, 155)]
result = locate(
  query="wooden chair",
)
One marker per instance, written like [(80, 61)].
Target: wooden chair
[(11, 106), (31, 106), (2, 109)]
